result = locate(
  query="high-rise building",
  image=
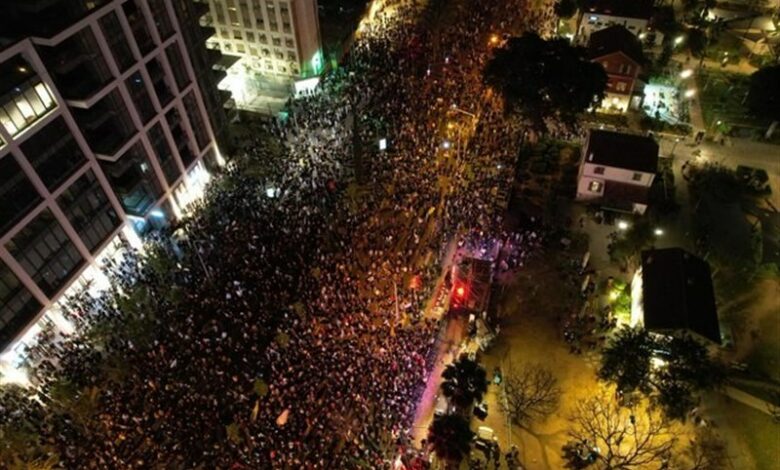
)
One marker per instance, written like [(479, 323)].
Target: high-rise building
[(273, 37), (105, 133)]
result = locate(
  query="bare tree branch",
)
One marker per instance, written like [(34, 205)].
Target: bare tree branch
[(626, 438), (532, 393)]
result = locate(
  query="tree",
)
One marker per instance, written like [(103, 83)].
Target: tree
[(706, 451), (566, 8), (637, 237), (626, 438), (682, 369), (450, 437), (763, 98), (626, 360), (545, 79), (465, 381), (531, 393), (698, 42)]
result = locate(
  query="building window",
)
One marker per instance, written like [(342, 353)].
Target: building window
[(139, 26), (164, 154), (133, 180), (88, 210), (54, 153), (24, 104), (17, 194), (637, 177), (143, 104), (177, 66), (46, 253), (17, 305), (237, 34), (196, 120), (117, 41), (599, 170), (277, 41), (263, 39), (620, 86), (250, 36), (595, 186), (180, 137), (161, 19)]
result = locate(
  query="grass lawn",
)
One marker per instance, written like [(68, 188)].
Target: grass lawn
[(721, 95), (758, 432)]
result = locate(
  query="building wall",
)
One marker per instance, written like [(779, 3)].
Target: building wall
[(278, 37), (592, 22), (108, 159)]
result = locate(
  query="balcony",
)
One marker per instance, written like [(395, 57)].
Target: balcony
[(213, 56), (219, 75), (207, 32)]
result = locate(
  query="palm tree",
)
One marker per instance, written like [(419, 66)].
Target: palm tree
[(464, 382), (450, 438)]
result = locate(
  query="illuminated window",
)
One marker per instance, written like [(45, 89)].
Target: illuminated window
[(595, 186)]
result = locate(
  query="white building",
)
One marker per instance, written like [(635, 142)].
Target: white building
[(634, 15), (104, 134), (617, 170), (274, 37)]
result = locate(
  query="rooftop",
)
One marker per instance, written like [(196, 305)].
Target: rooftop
[(677, 293), (631, 152), (642, 9), (615, 39)]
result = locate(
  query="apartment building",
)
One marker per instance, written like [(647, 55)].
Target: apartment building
[(104, 135), (273, 37)]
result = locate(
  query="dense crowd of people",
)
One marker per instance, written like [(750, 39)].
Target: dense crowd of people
[(278, 327)]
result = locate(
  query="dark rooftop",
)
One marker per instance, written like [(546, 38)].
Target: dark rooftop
[(677, 293), (631, 152), (615, 39), (44, 18), (642, 9)]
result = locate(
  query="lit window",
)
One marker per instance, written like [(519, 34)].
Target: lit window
[(595, 186), (43, 94)]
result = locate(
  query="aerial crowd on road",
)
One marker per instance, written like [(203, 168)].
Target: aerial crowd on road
[(281, 331)]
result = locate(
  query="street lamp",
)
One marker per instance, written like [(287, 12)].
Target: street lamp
[(622, 225), (686, 73), (689, 93), (676, 141), (658, 232), (678, 40), (446, 144)]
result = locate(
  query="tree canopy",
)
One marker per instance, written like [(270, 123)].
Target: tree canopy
[(541, 79), (464, 382), (450, 437), (670, 371), (566, 8), (764, 94)]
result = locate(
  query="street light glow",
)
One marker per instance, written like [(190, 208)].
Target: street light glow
[(678, 40), (690, 93), (446, 144), (658, 232), (622, 225), (686, 73)]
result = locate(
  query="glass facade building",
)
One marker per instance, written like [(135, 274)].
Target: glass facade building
[(103, 131)]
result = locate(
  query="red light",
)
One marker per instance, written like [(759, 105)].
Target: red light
[(460, 291)]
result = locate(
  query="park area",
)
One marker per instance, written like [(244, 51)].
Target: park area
[(723, 97)]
